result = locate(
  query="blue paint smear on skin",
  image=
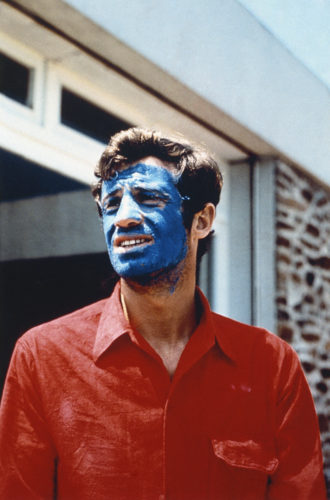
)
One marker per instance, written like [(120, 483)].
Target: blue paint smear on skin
[(143, 200)]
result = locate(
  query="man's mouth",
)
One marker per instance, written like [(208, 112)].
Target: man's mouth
[(123, 243)]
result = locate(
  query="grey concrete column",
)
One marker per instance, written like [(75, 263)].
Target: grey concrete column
[(263, 244)]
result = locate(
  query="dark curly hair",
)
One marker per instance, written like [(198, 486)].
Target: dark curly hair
[(200, 180)]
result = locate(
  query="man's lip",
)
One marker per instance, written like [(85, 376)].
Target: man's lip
[(122, 243)]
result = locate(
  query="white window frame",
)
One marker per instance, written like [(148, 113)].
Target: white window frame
[(27, 57), (59, 77)]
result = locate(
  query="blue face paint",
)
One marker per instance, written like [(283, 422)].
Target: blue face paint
[(142, 221)]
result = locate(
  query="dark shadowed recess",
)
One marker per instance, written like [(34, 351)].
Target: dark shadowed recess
[(37, 290)]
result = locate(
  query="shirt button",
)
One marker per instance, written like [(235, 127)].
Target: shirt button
[(162, 497)]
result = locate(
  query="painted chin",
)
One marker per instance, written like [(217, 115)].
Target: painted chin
[(132, 244)]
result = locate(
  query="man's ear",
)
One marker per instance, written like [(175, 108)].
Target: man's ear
[(203, 220)]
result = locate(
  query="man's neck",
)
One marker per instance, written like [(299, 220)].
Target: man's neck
[(166, 318)]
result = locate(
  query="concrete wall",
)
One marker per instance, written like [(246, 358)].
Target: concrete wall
[(50, 226)]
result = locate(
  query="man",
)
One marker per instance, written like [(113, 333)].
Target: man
[(148, 394)]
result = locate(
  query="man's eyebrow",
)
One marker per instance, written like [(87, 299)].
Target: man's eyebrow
[(148, 189)]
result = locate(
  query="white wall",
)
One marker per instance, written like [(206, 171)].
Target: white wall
[(220, 50)]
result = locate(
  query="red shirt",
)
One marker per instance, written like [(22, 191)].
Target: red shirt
[(88, 401)]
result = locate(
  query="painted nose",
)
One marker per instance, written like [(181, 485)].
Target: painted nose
[(128, 214)]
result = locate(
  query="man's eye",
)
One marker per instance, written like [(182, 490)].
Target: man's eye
[(150, 199), (111, 204)]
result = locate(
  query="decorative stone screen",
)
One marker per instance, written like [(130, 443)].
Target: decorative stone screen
[(303, 282)]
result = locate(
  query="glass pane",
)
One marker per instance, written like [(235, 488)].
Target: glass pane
[(16, 80), (85, 117)]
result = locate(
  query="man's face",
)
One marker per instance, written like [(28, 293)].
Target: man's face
[(142, 220)]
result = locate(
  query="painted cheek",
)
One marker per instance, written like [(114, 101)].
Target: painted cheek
[(108, 229), (172, 237)]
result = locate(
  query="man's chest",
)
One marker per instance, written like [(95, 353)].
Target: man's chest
[(125, 424)]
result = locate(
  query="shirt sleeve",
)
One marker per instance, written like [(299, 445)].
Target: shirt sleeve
[(27, 454), (299, 475)]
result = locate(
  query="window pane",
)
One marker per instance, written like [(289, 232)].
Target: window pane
[(85, 117), (16, 80)]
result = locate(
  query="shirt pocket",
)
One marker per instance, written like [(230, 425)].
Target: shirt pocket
[(246, 455)]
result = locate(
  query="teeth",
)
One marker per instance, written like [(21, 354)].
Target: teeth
[(128, 243)]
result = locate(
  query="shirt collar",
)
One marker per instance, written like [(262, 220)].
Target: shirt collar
[(217, 326), (113, 325)]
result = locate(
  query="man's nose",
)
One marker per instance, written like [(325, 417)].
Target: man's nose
[(129, 213)]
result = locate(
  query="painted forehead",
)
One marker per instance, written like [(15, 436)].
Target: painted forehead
[(142, 175)]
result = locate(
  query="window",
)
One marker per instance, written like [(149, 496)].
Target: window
[(21, 85), (85, 117), (16, 80)]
